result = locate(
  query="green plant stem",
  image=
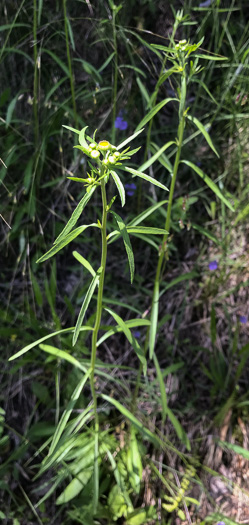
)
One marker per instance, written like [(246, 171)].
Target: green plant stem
[(95, 338), (115, 82), (154, 101), (165, 237), (69, 62), (35, 86)]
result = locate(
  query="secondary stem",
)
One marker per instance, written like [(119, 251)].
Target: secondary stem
[(94, 341)]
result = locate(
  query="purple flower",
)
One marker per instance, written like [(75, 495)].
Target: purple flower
[(207, 4), (221, 523), (120, 123), (130, 189), (243, 319), (137, 334), (213, 265)]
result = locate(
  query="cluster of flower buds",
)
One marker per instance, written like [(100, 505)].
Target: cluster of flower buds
[(109, 152)]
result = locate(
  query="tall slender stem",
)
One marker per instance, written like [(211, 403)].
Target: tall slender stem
[(35, 87), (115, 82), (69, 62), (94, 341), (165, 237)]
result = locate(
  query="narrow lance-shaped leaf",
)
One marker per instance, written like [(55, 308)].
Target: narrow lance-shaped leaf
[(66, 240), (209, 183), (85, 304), (44, 338), (75, 215), (119, 186), (61, 354), (132, 323), (127, 243), (82, 139), (154, 320), (154, 111), (132, 340), (146, 433), (162, 386), (67, 413), (84, 262), (154, 157), (126, 141), (204, 132), (137, 173)]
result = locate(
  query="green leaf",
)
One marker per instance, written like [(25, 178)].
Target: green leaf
[(119, 186), (146, 230), (132, 340), (61, 354), (60, 63), (85, 304), (137, 173), (107, 61), (235, 448), (154, 111), (205, 134), (162, 386), (242, 214), (154, 319), (75, 486), (82, 139), (146, 213), (134, 462), (67, 413), (132, 323), (127, 243), (205, 232), (38, 341), (71, 129), (166, 75), (126, 141), (75, 215), (179, 429), (209, 183), (146, 433), (66, 240), (154, 157), (84, 262)]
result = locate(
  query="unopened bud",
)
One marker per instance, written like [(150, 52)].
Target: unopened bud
[(95, 154)]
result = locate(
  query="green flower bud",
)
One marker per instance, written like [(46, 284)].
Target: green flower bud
[(92, 145), (95, 154), (116, 154), (112, 159)]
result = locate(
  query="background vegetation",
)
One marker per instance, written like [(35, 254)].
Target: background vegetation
[(91, 63)]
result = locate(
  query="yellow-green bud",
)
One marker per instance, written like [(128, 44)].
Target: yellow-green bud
[(105, 162), (90, 180), (92, 145), (116, 154), (95, 154), (112, 159), (104, 145)]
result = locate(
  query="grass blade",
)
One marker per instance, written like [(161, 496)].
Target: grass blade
[(204, 132), (127, 243), (85, 304), (209, 183)]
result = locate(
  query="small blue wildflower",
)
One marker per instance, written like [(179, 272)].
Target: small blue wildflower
[(207, 4), (221, 523), (213, 265), (130, 189), (120, 123), (137, 334), (243, 319)]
